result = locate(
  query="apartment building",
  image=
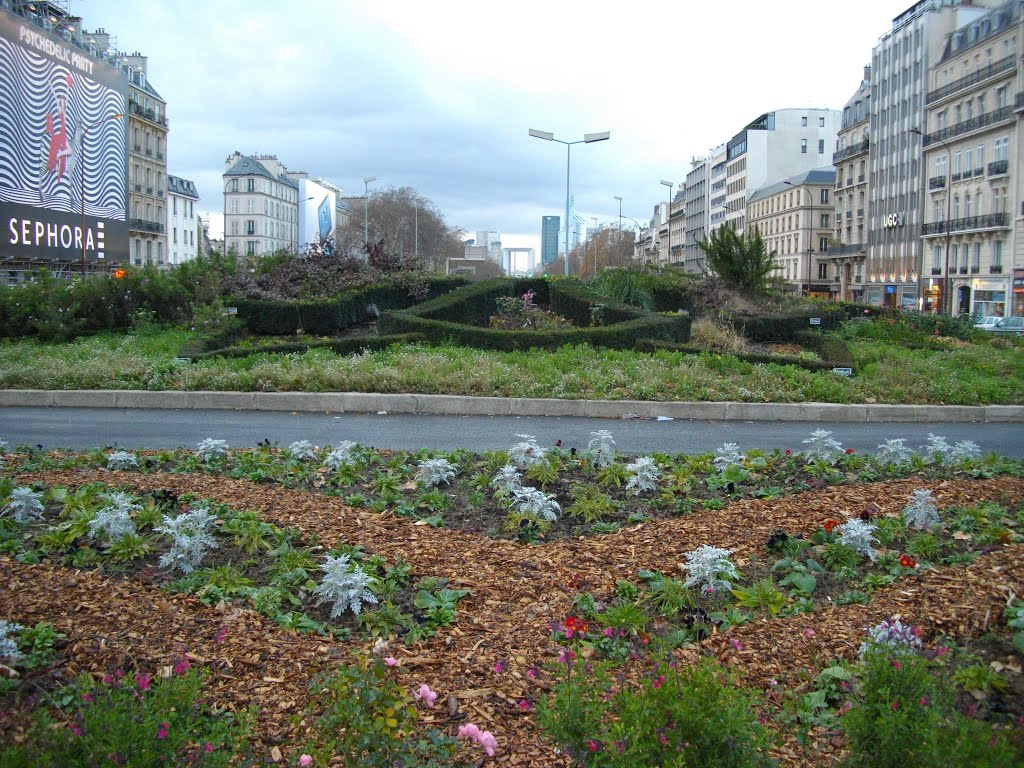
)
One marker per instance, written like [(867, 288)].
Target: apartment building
[(794, 217), (182, 223), (848, 250), (900, 64), (260, 205), (974, 220)]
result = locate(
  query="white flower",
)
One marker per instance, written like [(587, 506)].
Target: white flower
[(893, 452), (526, 453), (921, 512), (858, 536), (122, 460), (711, 567), (893, 635), (344, 585), (644, 476), (430, 472), (302, 450), (601, 448), (822, 446), (340, 456), (210, 449), (115, 519), (191, 539), (727, 455), (25, 504)]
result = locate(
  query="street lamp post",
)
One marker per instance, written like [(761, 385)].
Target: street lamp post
[(617, 197), (668, 218), (810, 233), (366, 209), (81, 165), (416, 228), (947, 281), (588, 138)]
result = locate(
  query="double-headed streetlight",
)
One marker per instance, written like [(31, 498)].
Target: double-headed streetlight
[(366, 209), (588, 138), (617, 197), (947, 282), (668, 218), (81, 165), (810, 231)]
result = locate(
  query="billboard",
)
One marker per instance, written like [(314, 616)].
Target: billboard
[(316, 213), (63, 153)]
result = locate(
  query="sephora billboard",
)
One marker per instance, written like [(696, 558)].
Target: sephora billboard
[(63, 153), (316, 214)]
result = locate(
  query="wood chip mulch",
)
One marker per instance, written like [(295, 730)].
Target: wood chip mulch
[(517, 592)]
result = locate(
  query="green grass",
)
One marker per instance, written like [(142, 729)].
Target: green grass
[(970, 374)]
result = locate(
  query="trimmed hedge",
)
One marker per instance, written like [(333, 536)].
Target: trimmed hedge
[(461, 317), (345, 346), (270, 317), (227, 331), (832, 349), (750, 357), (784, 328)]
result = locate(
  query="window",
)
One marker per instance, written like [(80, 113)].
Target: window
[(954, 253), (956, 206), (175, 234), (940, 165), (956, 163), (821, 120), (251, 185), (968, 160), (967, 205), (999, 151), (234, 227), (824, 195), (822, 245), (997, 254), (821, 146), (822, 271), (824, 220), (936, 259), (250, 227), (803, 122), (234, 185), (976, 260), (1000, 97), (250, 247), (174, 206), (803, 145)]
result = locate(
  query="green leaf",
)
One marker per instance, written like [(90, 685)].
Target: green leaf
[(802, 582), (1018, 641)]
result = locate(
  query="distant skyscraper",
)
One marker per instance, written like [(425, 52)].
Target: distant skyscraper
[(549, 239)]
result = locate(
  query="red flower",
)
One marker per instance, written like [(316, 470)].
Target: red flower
[(575, 626), (830, 524), (908, 562), (849, 451), (788, 452)]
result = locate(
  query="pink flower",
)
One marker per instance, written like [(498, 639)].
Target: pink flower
[(75, 729), (608, 632), (221, 635), (305, 761), (500, 666), (88, 698), (107, 679), (896, 665), (531, 673), (663, 738), (164, 728), (424, 694), (524, 705), (391, 661), (736, 644), (469, 731), (208, 747), (488, 742), (592, 745), (143, 681), (923, 701), (809, 632), (182, 666), (895, 705), (659, 681)]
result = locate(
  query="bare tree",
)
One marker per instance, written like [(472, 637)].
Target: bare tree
[(607, 247), (405, 227)]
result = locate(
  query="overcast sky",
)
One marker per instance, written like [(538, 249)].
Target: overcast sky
[(440, 96)]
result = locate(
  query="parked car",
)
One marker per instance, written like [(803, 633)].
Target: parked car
[(1012, 325), (988, 323)]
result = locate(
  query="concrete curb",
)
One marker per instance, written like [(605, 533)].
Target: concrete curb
[(455, 405)]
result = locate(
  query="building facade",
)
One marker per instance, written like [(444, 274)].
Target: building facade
[(973, 219), (794, 218), (549, 226), (896, 199), (183, 240), (848, 250), (260, 205)]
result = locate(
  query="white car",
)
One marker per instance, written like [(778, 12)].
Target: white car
[(988, 323)]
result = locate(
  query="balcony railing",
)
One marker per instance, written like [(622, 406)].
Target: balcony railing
[(159, 155), (149, 190), (860, 213), (995, 269), (982, 73), (860, 179), (937, 182), (966, 126), (851, 151), (845, 250), (849, 182), (988, 221), (149, 114), (998, 168), (849, 214), (138, 187), (956, 177), (146, 226), (979, 171)]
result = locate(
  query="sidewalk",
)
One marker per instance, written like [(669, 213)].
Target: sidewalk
[(456, 405)]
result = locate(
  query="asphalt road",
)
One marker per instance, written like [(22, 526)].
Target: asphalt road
[(80, 428)]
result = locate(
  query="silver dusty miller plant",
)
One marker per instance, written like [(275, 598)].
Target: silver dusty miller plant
[(122, 460), (644, 476), (858, 536), (711, 567), (938, 450), (115, 519), (8, 645), (727, 455), (342, 456), (344, 585), (535, 503), (601, 448), (526, 453), (506, 481), (894, 636), (25, 504), (302, 450), (191, 539), (921, 511), (210, 449), (431, 472), (822, 446), (894, 452)]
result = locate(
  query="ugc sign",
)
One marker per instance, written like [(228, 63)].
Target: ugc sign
[(893, 220)]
